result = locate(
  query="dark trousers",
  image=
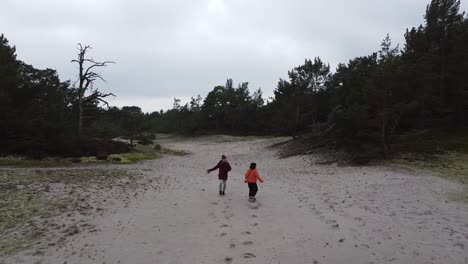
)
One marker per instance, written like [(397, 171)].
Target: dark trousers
[(253, 188)]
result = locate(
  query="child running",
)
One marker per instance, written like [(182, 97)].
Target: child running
[(251, 177), (224, 168)]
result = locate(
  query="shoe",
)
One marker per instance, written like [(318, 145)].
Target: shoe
[(220, 192)]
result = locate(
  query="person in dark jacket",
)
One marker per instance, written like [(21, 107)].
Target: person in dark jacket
[(224, 168)]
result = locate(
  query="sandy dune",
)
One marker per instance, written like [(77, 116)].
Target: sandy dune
[(305, 213)]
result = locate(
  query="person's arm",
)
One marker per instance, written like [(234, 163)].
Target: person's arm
[(228, 166), (214, 168), (258, 177)]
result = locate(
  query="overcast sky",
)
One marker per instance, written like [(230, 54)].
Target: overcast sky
[(167, 49)]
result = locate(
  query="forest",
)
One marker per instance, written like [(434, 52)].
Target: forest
[(395, 99)]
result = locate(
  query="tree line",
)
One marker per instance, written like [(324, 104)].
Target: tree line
[(41, 115), (364, 105)]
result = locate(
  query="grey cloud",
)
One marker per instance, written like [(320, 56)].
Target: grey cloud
[(166, 49)]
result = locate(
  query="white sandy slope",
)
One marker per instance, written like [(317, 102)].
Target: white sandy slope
[(305, 213)]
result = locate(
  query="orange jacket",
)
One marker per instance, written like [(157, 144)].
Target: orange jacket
[(251, 176)]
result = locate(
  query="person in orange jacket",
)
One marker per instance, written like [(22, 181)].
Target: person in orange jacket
[(251, 177)]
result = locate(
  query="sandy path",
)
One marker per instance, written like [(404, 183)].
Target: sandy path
[(305, 213)]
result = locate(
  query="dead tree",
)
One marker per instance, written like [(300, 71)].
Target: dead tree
[(86, 79)]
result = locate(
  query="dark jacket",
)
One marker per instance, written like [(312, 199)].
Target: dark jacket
[(223, 167)]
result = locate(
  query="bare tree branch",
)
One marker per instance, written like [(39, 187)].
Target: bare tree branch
[(86, 79), (97, 64), (99, 97)]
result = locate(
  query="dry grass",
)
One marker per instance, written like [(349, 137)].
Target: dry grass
[(27, 201), (450, 165)]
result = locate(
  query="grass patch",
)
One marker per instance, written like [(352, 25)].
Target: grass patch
[(19, 208), (227, 138), (90, 160), (443, 153), (18, 161), (174, 152), (144, 152), (12, 246), (10, 179), (451, 165), (26, 201), (459, 196), (139, 153), (430, 142), (132, 157)]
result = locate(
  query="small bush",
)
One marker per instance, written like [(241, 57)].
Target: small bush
[(145, 141), (102, 156), (75, 160), (157, 147), (145, 136)]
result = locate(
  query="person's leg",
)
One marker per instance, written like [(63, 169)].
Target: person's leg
[(254, 189), (251, 192), (220, 187), (224, 185)]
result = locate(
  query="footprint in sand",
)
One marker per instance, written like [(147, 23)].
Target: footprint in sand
[(255, 224), (227, 260), (223, 234), (247, 243), (224, 225), (249, 255), (247, 233), (459, 245), (232, 245), (228, 216), (254, 216)]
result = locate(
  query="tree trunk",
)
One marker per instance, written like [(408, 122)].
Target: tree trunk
[(296, 122), (423, 113), (383, 134), (459, 106), (232, 127), (443, 70), (86, 79), (80, 91), (80, 116)]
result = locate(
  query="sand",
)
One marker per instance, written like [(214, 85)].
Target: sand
[(305, 213)]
